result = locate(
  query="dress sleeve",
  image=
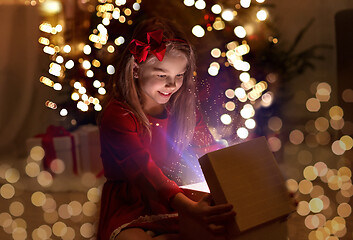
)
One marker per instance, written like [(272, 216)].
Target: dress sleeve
[(126, 157)]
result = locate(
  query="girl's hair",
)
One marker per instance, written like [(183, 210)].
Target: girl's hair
[(125, 87)]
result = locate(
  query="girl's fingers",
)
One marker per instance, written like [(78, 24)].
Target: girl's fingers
[(221, 218), (219, 209), (217, 229)]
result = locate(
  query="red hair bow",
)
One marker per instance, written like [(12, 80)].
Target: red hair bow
[(154, 45)]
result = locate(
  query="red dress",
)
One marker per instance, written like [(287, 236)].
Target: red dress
[(139, 188)]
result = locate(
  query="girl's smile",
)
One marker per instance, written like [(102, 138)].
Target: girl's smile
[(160, 80)]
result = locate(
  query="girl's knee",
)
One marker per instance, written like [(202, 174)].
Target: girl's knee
[(133, 234)]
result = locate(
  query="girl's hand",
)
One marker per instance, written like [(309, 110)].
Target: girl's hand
[(215, 218)]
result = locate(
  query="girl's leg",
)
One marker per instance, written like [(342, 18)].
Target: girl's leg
[(133, 234), (167, 237)]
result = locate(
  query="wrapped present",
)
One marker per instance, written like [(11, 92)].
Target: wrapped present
[(58, 143), (90, 160)]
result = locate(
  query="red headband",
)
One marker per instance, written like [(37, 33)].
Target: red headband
[(155, 44)]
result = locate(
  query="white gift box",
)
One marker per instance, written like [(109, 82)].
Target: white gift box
[(90, 149), (63, 151)]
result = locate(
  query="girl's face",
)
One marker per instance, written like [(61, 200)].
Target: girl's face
[(160, 80)]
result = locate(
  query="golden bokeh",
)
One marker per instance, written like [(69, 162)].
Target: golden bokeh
[(292, 185), (37, 153), (344, 210), (336, 113), (45, 179), (49, 205), (296, 137), (51, 217), (38, 199), (5, 219), (12, 175), (337, 148), (94, 194), (313, 105), (65, 211), (305, 186), (88, 179), (337, 124), (7, 191), (76, 208), (89, 209), (316, 205), (317, 191), (310, 173), (303, 208), (16, 208), (70, 234), (87, 230), (57, 166), (347, 142), (32, 169), (19, 233), (59, 229), (321, 168), (321, 124), (323, 138)]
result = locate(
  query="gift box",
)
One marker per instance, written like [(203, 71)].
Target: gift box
[(247, 176), (90, 160), (58, 144)]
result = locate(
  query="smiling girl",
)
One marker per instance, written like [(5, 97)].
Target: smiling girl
[(150, 119)]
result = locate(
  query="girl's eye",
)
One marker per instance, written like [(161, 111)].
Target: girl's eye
[(180, 75), (161, 76)]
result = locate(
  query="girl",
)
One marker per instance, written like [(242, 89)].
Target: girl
[(147, 123)]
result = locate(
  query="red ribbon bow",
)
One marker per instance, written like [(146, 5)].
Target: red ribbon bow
[(154, 45), (48, 145)]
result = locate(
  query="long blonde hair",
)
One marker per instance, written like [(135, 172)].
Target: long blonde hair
[(125, 88)]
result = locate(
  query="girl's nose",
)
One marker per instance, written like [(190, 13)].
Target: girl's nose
[(170, 82)]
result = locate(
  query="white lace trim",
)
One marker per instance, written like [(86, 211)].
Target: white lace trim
[(142, 219)]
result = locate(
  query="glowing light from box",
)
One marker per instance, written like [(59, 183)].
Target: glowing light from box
[(242, 133), (245, 3), (262, 15), (227, 15), (198, 31), (226, 119), (240, 32), (216, 9)]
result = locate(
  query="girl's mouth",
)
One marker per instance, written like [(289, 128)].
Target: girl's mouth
[(164, 94)]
